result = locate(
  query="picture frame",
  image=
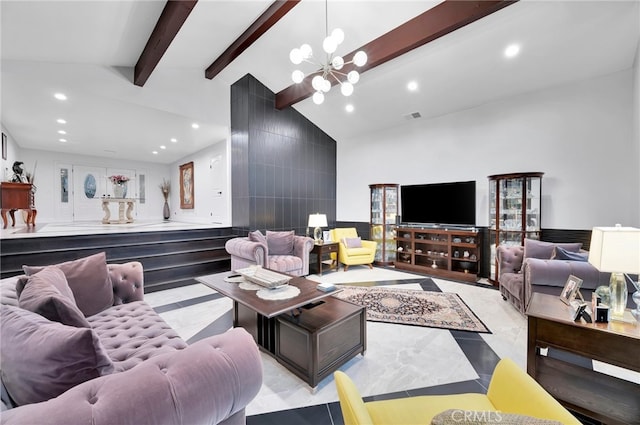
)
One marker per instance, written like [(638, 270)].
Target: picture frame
[(186, 186), (4, 146), (570, 290)]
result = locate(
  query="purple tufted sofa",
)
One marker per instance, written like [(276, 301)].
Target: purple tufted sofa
[(156, 377), (524, 270), (280, 251)]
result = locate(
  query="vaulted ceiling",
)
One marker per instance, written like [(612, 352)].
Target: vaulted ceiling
[(88, 50)]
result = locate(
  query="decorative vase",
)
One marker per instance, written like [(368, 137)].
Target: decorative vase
[(119, 190), (165, 211)]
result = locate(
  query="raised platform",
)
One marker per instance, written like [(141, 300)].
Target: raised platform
[(172, 253)]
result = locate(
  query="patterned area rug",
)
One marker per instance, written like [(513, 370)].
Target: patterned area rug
[(414, 307)]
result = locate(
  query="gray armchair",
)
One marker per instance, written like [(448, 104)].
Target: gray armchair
[(279, 251)]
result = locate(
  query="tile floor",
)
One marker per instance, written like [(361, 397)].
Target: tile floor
[(400, 360)]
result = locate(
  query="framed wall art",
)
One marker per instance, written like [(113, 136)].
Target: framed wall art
[(4, 146), (186, 186)]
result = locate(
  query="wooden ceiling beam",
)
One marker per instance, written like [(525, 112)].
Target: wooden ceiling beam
[(436, 22), (273, 14), (171, 19)]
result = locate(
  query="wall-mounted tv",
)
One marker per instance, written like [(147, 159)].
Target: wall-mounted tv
[(439, 203)]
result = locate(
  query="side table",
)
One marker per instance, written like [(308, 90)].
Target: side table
[(320, 249), (597, 395)]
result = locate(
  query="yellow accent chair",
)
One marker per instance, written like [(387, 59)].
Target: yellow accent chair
[(354, 255), (511, 391)]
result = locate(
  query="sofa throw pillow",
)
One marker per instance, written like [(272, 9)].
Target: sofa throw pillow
[(352, 242), (89, 281), (480, 417), (257, 236), (42, 359), (42, 296), (561, 253), (544, 250), (280, 243)]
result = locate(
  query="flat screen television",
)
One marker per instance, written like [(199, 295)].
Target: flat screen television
[(439, 203)]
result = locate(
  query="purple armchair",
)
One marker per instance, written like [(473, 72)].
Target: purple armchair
[(279, 251)]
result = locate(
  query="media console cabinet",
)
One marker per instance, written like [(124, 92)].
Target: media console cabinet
[(440, 251)]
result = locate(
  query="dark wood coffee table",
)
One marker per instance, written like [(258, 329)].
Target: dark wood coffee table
[(596, 395), (312, 334)]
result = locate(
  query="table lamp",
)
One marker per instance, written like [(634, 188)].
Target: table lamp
[(616, 250), (317, 221)]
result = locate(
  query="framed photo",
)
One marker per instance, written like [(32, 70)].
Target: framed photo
[(570, 290), (4, 146), (186, 186)]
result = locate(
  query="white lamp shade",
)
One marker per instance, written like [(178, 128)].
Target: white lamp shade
[(297, 76), (317, 220), (295, 56), (353, 76), (329, 45), (317, 82), (318, 98), (360, 58), (346, 88), (337, 62), (615, 249), (306, 51), (338, 35)]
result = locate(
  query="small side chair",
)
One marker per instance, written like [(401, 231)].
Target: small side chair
[(353, 250)]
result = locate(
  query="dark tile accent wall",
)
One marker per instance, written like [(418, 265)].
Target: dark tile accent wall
[(283, 166)]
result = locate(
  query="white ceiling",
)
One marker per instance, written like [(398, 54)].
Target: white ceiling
[(87, 50)]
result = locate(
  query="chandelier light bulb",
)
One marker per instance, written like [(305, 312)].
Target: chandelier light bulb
[(306, 51), (326, 86), (337, 62), (296, 56), (353, 77), (317, 83), (297, 76), (360, 58), (329, 45), (318, 98), (338, 35), (346, 89)]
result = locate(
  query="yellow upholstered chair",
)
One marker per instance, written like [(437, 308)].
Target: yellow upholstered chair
[(511, 391), (349, 254)]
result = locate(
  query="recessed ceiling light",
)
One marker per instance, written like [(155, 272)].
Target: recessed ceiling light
[(62, 132), (195, 125), (63, 140), (349, 108), (174, 140), (163, 147), (512, 50), (412, 86), (60, 96), (61, 121), (155, 152)]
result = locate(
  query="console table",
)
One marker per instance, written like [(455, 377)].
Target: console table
[(17, 196), (122, 202), (596, 395)]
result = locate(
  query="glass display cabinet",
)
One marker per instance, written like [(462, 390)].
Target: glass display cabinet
[(384, 209), (514, 212)]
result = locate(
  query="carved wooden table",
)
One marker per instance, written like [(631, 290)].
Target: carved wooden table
[(312, 334), (122, 202), (17, 196), (597, 395)]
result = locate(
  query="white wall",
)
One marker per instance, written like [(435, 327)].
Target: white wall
[(211, 184), (580, 135), (212, 187)]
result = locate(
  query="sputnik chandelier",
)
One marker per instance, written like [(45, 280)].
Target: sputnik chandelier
[(331, 68)]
